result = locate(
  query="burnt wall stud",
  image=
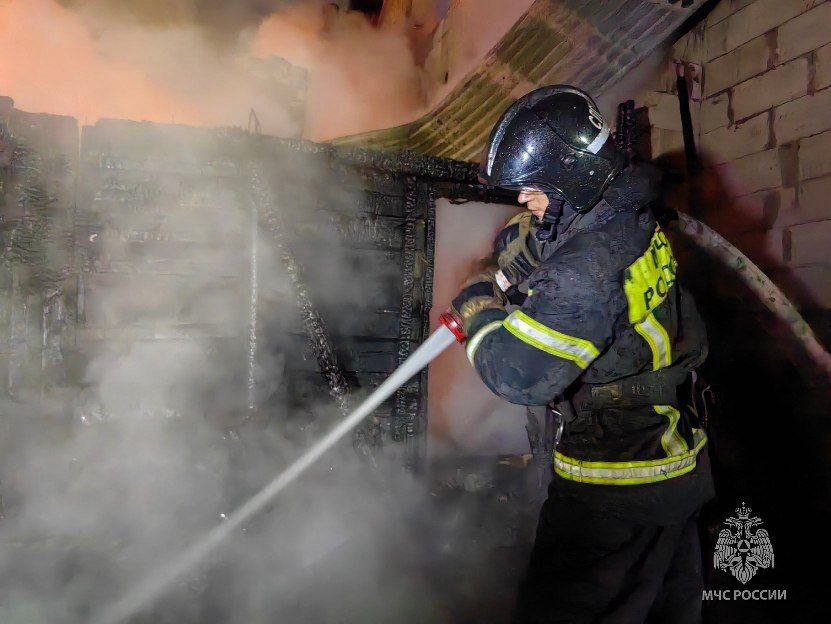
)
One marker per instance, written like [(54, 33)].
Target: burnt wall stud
[(312, 321), (402, 422)]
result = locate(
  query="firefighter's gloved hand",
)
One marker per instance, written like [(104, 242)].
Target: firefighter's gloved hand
[(479, 292), (515, 251)]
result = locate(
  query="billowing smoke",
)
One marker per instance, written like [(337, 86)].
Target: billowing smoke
[(108, 475), (224, 19), (361, 77), (108, 472), (209, 63)]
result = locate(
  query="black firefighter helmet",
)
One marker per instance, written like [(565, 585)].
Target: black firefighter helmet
[(553, 139)]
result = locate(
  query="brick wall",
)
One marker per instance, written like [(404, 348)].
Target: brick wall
[(764, 133), (763, 129)]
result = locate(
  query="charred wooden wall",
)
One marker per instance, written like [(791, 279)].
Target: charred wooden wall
[(131, 232)]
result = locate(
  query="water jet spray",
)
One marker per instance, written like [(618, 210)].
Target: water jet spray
[(156, 584)]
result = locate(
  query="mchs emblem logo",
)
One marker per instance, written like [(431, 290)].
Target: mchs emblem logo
[(743, 546)]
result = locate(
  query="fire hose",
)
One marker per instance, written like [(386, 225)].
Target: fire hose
[(754, 278)]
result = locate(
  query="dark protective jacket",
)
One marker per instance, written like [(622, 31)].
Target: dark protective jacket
[(608, 332)]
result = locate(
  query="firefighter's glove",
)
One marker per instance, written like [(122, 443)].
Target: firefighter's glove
[(515, 251), (479, 292)]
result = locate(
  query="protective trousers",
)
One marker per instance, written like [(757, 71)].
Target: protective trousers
[(589, 565)]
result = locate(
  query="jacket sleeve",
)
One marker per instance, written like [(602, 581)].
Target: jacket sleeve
[(533, 354)]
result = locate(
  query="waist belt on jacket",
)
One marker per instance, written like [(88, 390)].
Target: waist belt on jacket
[(657, 389), (651, 388)]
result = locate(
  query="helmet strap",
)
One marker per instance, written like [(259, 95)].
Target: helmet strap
[(547, 226)]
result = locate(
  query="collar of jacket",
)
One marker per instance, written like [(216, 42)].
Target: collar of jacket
[(572, 223), (636, 186)]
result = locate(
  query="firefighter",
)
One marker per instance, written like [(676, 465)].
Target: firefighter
[(606, 337)]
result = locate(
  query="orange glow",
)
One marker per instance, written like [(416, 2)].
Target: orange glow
[(360, 77), (89, 66), (49, 63)]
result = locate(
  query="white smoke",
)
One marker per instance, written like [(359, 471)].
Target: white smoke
[(107, 477)]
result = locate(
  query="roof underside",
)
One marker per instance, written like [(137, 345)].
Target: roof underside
[(588, 43)]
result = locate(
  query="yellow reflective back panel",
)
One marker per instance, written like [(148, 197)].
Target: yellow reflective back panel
[(648, 279)]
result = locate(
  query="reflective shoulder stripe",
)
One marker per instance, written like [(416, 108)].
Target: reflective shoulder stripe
[(646, 283), (580, 351), (629, 473), (476, 340), (657, 339), (671, 440), (648, 279)]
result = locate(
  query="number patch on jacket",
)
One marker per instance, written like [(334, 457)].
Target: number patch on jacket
[(648, 279)]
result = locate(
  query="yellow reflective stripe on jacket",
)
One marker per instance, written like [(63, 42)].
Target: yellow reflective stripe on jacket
[(647, 282), (648, 279), (580, 351), (672, 441), (629, 473), (657, 339), (474, 342)]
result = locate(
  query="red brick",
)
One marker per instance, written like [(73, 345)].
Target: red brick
[(809, 243), (751, 173), (804, 33), (714, 112), (732, 142), (777, 86), (803, 117), (822, 68), (815, 156), (751, 21), (747, 60), (813, 205)]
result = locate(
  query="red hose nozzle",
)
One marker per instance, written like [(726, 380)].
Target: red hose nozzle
[(452, 322)]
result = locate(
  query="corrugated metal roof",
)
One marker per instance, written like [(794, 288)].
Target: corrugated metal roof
[(588, 43)]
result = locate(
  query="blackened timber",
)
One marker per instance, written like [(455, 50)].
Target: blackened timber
[(403, 425), (429, 254), (458, 192), (400, 162), (313, 323), (625, 129)]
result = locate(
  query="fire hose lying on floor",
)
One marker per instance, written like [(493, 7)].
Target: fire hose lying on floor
[(154, 586)]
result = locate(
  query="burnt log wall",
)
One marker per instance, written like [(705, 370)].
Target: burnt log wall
[(127, 232)]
